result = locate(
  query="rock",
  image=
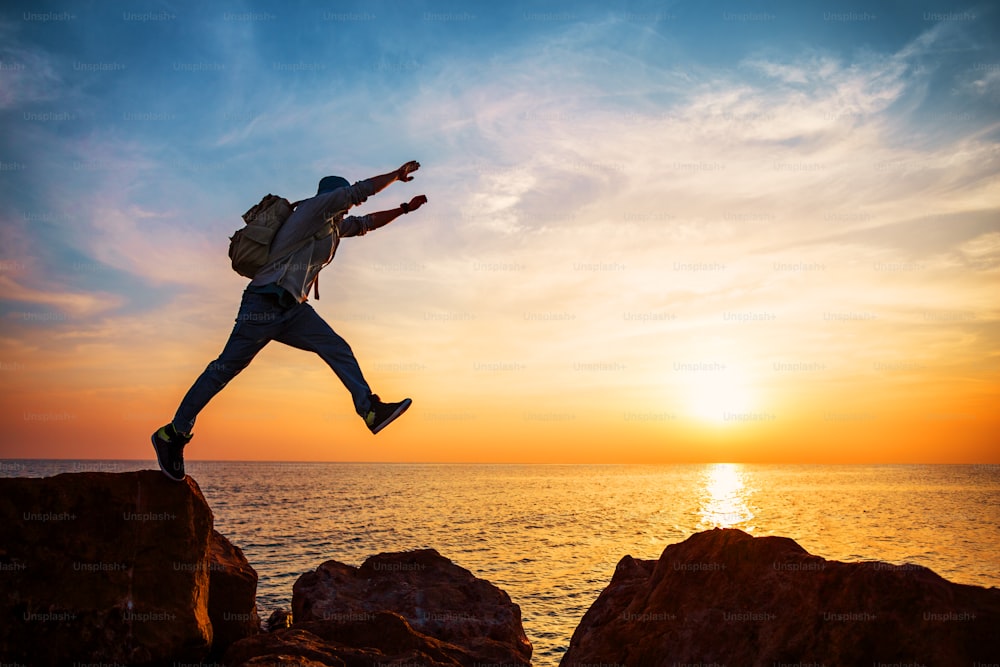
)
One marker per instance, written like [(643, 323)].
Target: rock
[(435, 596), (111, 568), (285, 661), (401, 608), (279, 620), (725, 597), (232, 594), (370, 641), (283, 646)]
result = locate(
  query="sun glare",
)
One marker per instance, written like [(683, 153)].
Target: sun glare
[(720, 399)]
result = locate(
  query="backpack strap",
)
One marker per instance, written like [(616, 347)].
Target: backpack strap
[(321, 234), (331, 228)]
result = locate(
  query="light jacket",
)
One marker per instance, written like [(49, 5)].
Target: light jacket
[(322, 216)]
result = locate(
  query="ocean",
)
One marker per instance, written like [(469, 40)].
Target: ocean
[(551, 535)]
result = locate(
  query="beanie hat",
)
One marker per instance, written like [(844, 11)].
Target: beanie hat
[(331, 183)]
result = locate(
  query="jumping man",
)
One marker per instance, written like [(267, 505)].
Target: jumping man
[(274, 308)]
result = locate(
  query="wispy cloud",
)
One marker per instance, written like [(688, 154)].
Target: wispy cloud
[(28, 75), (785, 195), (77, 304)]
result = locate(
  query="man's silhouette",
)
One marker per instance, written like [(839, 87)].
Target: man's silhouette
[(274, 308)]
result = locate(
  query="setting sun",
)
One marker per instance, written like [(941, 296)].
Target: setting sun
[(721, 399)]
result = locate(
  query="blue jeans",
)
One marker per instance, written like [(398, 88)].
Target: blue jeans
[(259, 321)]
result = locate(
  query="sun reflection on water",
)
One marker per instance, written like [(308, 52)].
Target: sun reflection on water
[(724, 500)]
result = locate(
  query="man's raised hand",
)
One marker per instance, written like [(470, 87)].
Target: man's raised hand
[(416, 203), (403, 174)]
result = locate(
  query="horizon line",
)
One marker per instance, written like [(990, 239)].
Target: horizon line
[(527, 463)]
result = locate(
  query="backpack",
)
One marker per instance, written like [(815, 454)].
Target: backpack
[(250, 246)]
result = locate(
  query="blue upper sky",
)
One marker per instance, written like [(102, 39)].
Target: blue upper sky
[(211, 103)]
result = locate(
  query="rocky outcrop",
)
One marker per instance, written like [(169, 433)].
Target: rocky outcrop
[(398, 608), (100, 568), (725, 597), (232, 594), (114, 568)]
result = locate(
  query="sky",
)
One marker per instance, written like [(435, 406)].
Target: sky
[(657, 232)]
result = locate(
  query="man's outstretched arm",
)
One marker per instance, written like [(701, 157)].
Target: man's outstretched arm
[(401, 174), (383, 218)]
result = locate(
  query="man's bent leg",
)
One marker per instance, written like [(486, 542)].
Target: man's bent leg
[(239, 351), (255, 327), (306, 330)]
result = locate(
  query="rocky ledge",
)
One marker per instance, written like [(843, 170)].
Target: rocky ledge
[(126, 569), (117, 569), (723, 597)]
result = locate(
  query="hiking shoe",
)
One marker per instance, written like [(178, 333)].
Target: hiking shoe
[(382, 414), (169, 446)]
